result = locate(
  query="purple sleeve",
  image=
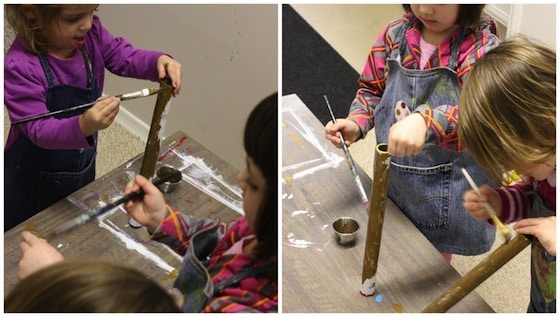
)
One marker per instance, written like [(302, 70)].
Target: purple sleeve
[(120, 57), (25, 96)]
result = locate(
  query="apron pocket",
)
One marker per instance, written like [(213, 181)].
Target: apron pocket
[(422, 193), (54, 186)]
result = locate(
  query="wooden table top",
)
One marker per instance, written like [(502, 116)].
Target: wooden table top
[(208, 190), (320, 276)]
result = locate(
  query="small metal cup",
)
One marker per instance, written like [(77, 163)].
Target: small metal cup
[(171, 184), (346, 229)]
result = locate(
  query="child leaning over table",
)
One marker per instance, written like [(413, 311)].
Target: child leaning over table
[(57, 61), (233, 269), (508, 122), (416, 68)]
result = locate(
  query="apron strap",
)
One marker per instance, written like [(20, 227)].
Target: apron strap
[(49, 75), (246, 272), (455, 47)]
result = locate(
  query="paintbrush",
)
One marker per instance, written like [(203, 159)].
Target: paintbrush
[(90, 215), (363, 195), (503, 229), (133, 95)]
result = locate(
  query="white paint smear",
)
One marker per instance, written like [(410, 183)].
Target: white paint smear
[(298, 243), (134, 245), (332, 159), (197, 173)]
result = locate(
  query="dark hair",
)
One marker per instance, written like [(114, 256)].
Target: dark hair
[(469, 14), (82, 286), (261, 144)]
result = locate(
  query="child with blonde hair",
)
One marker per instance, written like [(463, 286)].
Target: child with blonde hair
[(507, 122)]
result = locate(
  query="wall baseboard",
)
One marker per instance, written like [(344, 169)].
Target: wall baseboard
[(134, 125)]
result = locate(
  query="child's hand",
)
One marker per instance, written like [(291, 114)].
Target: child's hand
[(100, 116), (148, 211), (168, 67), (37, 254), (349, 129), (407, 136), (473, 202), (543, 228)]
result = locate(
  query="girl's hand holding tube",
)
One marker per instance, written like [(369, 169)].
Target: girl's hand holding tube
[(543, 228), (168, 67), (407, 136), (150, 209)]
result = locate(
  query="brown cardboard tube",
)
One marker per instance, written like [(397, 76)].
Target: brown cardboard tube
[(151, 152), (478, 274), (376, 214)]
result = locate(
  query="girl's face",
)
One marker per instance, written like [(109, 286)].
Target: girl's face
[(437, 18), (253, 184), (539, 172), (68, 31)]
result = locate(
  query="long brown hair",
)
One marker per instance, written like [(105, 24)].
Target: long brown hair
[(507, 108), (88, 286), (32, 31)]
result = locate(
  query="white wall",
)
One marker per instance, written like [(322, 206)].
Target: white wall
[(537, 21), (229, 55)]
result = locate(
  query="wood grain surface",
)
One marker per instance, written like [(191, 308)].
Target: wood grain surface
[(110, 237), (318, 275)]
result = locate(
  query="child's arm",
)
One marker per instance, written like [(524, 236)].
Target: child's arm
[(37, 254), (543, 228), (441, 120), (163, 223), (372, 84), (100, 116), (123, 59)]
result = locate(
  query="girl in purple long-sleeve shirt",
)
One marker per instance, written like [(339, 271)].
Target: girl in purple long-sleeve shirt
[(58, 60)]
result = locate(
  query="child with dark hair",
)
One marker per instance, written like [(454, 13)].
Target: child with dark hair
[(415, 69), (225, 268)]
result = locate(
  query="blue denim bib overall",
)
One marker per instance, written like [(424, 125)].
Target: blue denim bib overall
[(429, 187), (35, 178), (543, 268), (194, 280)]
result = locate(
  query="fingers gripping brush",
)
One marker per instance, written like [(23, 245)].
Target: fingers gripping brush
[(503, 229)]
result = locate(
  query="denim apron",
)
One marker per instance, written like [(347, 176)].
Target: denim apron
[(428, 188), (35, 178), (194, 280), (543, 268)]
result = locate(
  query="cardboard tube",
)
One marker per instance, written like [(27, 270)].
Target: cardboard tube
[(375, 218), (153, 145), (478, 274)]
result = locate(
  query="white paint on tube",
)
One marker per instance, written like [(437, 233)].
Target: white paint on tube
[(368, 286)]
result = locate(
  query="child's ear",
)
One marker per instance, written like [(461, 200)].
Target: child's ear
[(28, 10)]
